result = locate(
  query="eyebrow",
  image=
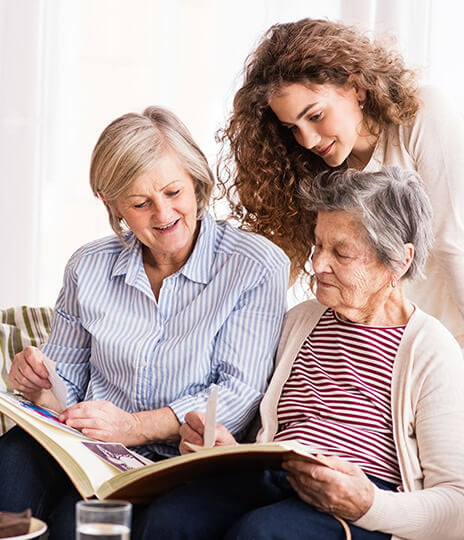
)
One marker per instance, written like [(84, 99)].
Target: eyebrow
[(305, 110), (300, 114), (341, 242), (162, 189)]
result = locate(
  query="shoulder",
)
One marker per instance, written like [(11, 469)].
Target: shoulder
[(302, 318), (307, 311), (250, 247), (436, 128), (431, 95), (106, 247), (435, 105), (431, 343), (429, 329), (298, 323)]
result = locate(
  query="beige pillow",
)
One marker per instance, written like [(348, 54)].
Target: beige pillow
[(20, 326)]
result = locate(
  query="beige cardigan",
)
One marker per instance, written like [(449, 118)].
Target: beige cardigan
[(428, 426), (433, 145)]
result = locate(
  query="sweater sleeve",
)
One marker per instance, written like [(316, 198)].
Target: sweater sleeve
[(432, 457)]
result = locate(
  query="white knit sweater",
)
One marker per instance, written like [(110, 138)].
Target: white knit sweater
[(433, 145)]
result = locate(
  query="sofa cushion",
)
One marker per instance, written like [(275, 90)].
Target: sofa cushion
[(20, 326)]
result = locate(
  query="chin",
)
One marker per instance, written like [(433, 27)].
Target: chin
[(325, 298), (334, 161)]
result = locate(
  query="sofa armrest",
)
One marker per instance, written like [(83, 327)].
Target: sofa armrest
[(19, 327)]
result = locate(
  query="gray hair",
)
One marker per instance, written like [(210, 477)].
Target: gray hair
[(133, 144), (391, 205)]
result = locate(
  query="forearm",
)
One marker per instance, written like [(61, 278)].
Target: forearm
[(157, 426), (420, 515)]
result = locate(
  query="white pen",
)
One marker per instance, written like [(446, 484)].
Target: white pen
[(210, 421)]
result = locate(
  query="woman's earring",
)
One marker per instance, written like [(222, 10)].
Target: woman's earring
[(361, 104), (393, 283)]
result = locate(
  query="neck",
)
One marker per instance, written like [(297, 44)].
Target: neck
[(158, 270), (395, 310), (363, 149)]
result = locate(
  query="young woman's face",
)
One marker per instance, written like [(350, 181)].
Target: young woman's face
[(326, 119)]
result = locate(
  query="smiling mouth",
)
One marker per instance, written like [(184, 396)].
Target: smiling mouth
[(324, 151), (168, 226)]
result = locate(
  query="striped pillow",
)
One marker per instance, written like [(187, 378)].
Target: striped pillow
[(20, 326)]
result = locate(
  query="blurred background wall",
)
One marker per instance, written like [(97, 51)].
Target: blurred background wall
[(69, 67)]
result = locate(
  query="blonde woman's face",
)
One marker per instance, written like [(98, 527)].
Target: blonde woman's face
[(160, 208), (326, 119)]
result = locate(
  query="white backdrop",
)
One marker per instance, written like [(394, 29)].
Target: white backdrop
[(68, 67)]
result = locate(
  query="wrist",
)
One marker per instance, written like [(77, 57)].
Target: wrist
[(157, 426)]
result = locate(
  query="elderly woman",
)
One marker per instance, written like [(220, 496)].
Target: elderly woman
[(364, 377), (149, 319)]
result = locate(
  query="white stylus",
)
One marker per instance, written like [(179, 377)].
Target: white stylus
[(210, 421)]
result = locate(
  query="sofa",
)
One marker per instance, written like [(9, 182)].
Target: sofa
[(19, 327)]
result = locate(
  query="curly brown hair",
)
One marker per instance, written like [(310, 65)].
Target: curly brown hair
[(260, 164)]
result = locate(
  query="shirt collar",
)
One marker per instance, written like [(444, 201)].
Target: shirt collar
[(199, 264)]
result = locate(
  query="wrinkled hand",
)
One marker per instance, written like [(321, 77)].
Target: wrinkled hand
[(102, 420), (28, 373), (193, 430), (344, 490)]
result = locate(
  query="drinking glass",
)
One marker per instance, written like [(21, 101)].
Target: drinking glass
[(103, 520)]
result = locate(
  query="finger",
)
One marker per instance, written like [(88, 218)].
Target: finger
[(95, 428), (304, 494), (188, 435), (298, 467), (223, 436), (311, 496), (24, 377), (100, 434), (196, 421), (341, 465), (184, 448), (90, 409), (32, 357)]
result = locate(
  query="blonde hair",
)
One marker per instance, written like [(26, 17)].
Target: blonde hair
[(133, 144)]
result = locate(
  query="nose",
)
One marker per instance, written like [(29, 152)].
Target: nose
[(307, 137), (320, 261), (160, 212)]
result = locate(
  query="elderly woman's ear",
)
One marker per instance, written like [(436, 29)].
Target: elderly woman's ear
[(404, 265)]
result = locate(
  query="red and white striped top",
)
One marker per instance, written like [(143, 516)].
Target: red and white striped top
[(338, 396)]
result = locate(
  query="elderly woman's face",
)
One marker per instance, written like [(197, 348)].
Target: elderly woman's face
[(349, 276), (160, 208)]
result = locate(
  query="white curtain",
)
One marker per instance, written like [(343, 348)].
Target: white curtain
[(68, 68)]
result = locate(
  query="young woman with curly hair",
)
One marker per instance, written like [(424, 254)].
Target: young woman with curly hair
[(318, 94)]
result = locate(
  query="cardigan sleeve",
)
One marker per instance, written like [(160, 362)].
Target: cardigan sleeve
[(431, 450)]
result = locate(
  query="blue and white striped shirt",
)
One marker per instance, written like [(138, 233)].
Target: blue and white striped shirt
[(217, 320)]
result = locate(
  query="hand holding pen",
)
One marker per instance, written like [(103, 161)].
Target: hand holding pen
[(201, 430)]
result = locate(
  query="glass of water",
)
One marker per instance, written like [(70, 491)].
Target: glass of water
[(103, 520)]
